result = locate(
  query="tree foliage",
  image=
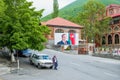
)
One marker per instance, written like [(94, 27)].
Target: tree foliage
[(93, 18), (72, 9), (55, 9), (19, 27), (2, 7)]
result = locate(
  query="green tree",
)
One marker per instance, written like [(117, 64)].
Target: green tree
[(55, 9), (92, 17), (20, 27), (2, 7)]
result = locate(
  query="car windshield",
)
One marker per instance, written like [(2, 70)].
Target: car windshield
[(44, 57)]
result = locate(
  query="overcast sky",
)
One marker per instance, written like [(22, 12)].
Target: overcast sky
[(48, 5)]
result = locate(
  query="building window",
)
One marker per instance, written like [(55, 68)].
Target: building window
[(116, 28), (103, 40), (71, 31), (111, 11), (116, 20), (59, 31), (109, 30), (116, 39), (117, 10), (109, 39)]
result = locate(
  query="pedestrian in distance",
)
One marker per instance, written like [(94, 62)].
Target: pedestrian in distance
[(55, 62)]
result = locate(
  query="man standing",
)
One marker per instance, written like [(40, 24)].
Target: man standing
[(55, 62)]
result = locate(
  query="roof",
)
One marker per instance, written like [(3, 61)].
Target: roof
[(115, 15), (61, 22), (112, 5)]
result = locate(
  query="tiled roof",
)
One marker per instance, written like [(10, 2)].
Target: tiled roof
[(115, 15), (113, 5), (61, 22)]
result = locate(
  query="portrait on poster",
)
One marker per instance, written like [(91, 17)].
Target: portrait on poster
[(66, 39)]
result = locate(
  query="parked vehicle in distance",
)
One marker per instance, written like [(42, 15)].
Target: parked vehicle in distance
[(26, 52), (23, 53), (41, 60)]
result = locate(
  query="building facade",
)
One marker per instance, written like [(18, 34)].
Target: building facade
[(112, 38), (60, 25)]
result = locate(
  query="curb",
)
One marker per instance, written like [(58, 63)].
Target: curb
[(107, 56)]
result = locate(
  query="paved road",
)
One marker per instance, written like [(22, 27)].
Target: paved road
[(71, 67)]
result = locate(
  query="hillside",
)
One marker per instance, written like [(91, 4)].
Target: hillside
[(72, 9)]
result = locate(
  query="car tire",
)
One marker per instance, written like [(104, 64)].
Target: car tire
[(51, 67), (31, 62), (39, 66)]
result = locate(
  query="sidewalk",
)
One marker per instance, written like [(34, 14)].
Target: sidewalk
[(101, 55), (7, 67), (107, 55), (4, 68), (1, 79)]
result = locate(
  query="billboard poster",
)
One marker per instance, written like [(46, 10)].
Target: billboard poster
[(66, 38)]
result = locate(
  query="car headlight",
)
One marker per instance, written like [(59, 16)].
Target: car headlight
[(42, 63)]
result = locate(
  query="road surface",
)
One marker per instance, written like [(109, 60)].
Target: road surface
[(71, 67)]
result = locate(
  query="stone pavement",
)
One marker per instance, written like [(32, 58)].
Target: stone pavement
[(4, 68), (7, 67)]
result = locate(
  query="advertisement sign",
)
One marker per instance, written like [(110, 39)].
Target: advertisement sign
[(66, 39)]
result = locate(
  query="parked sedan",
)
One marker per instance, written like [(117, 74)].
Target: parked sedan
[(41, 60)]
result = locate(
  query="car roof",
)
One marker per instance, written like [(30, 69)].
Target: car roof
[(40, 54)]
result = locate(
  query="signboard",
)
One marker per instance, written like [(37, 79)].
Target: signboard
[(66, 39)]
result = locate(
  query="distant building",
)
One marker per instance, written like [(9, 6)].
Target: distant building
[(112, 38), (60, 25)]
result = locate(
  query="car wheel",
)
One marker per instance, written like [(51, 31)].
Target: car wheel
[(31, 62), (51, 67), (39, 66)]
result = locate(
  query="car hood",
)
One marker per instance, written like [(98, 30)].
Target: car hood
[(45, 61)]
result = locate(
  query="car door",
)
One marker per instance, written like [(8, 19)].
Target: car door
[(34, 59)]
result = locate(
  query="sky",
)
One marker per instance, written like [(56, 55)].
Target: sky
[(48, 5)]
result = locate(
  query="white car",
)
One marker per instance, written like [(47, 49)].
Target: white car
[(41, 60)]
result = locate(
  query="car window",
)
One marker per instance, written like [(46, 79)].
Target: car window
[(37, 57), (45, 57), (33, 55)]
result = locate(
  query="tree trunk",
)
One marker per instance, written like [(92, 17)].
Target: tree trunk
[(12, 57)]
